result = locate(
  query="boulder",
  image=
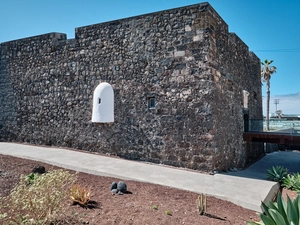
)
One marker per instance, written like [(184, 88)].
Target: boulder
[(39, 169), (114, 191), (122, 187), (113, 186)]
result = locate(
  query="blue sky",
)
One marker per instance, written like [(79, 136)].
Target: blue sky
[(271, 29)]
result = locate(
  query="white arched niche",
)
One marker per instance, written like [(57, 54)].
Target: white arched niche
[(245, 99), (103, 104)]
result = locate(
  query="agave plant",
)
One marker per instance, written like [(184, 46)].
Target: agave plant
[(297, 182), (277, 173), (288, 182), (292, 182), (280, 213)]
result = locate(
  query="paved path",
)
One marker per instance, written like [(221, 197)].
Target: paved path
[(246, 188)]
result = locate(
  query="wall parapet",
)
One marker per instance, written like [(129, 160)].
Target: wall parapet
[(40, 44)]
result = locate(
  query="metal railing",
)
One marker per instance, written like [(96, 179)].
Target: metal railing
[(291, 127)]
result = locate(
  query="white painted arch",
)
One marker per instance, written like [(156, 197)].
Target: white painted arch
[(103, 104)]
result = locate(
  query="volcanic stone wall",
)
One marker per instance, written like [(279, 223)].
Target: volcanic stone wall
[(235, 71), (184, 58)]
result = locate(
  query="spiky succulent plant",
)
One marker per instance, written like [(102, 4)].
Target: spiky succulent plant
[(280, 213), (277, 173)]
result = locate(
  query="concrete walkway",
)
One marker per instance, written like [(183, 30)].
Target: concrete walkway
[(246, 188)]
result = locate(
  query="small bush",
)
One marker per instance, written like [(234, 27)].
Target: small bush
[(277, 174), (40, 202), (81, 195)]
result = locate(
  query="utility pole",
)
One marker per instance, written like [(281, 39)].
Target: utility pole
[(276, 102)]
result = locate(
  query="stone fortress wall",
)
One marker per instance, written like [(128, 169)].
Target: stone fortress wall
[(185, 58)]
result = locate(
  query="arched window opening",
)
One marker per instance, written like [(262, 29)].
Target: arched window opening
[(103, 104)]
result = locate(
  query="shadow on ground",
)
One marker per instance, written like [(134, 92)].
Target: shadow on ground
[(288, 159)]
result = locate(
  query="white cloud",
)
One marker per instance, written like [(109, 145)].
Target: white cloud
[(289, 104)]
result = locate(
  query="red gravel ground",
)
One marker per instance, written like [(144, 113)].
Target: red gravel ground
[(133, 208)]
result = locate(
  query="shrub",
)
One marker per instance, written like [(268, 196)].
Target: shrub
[(277, 173), (280, 213), (41, 201), (292, 182), (81, 195)]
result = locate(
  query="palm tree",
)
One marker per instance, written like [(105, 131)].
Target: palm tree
[(266, 72)]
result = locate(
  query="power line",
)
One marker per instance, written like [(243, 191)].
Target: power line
[(279, 50)]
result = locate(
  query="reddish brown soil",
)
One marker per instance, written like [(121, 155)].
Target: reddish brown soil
[(291, 194), (133, 208)]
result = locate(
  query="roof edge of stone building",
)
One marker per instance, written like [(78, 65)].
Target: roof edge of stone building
[(253, 55), (201, 7), (233, 37), (52, 35), (204, 6)]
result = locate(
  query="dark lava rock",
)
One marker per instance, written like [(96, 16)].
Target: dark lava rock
[(122, 187), (114, 191), (113, 186), (39, 169)]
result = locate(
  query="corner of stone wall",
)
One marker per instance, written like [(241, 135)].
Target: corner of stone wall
[(234, 39), (235, 69), (254, 57)]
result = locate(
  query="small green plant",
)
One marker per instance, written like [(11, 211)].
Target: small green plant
[(280, 213), (38, 203), (30, 178), (155, 207), (292, 182), (81, 194), (201, 204), (168, 212), (277, 174)]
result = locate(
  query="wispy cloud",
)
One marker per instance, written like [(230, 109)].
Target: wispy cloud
[(289, 104)]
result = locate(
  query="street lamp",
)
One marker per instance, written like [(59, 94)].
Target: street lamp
[(276, 102)]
